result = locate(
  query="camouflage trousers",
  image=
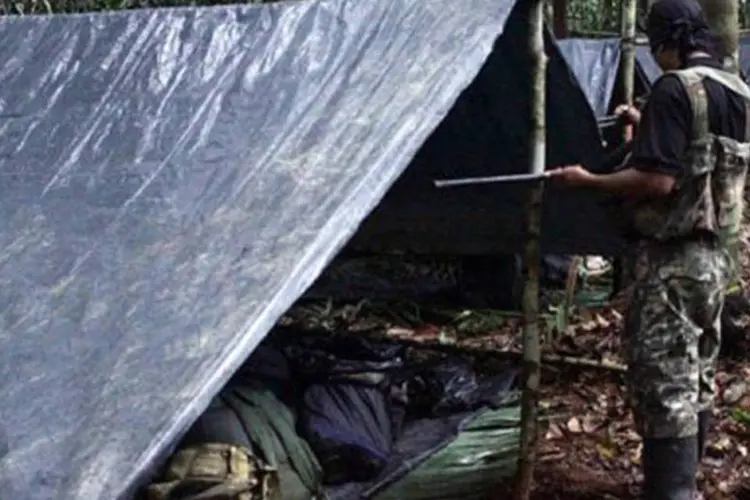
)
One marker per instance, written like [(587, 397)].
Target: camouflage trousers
[(673, 326)]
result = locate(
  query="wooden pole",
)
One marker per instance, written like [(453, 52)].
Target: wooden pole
[(627, 49), (532, 256), (560, 16)]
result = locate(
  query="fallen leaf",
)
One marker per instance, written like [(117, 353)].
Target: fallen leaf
[(635, 455), (554, 432), (605, 451), (601, 322), (399, 332), (588, 326), (734, 391), (741, 416), (722, 444), (630, 435), (552, 456), (589, 425), (574, 425)]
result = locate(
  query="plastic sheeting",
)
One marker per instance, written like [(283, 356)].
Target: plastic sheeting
[(745, 56), (595, 64), (486, 133), (172, 180), (647, 63)]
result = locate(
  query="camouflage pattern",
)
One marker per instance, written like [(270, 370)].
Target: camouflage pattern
[(215, 471), (709, 194), (673, 328), (682, 271)]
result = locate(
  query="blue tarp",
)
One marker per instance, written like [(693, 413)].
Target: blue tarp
[(172, 180), (595, 64), (647, 64), (745, 56)]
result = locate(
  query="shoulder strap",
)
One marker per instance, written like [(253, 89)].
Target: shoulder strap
[(696, 92), (730, 80)]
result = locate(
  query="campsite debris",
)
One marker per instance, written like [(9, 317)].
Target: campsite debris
[(324, 413)]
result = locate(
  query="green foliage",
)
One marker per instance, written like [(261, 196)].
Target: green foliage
[(603, 16)]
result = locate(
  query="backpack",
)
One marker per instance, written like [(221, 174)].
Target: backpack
[(215, 471)]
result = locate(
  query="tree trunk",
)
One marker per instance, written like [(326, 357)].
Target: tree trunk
[(532, 257), (724, 17), (560, 16)]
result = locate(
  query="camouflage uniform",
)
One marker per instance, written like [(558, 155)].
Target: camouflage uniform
[(681, 274)]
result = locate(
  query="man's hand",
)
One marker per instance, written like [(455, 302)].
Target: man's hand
[(572, 175), (629, 113)]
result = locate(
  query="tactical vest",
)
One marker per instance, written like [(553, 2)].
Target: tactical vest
[(709, 194)]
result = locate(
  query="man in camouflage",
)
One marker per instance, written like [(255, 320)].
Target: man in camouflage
[(684, 183)]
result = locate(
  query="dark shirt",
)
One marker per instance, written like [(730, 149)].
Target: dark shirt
[(666, 121)]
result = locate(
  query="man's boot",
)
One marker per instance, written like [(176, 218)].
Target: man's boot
[(704, 422), (669, 468)]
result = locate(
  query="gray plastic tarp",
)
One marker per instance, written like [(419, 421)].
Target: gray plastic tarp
[(595, 64), (647, 63), (172, 180)]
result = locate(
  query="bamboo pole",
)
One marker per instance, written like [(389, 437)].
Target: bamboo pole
[(532, 256), (627, 45)]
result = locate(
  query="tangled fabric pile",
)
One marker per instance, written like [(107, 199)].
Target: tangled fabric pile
[(315, 412)]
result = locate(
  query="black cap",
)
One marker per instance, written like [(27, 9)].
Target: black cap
[(678, 23)]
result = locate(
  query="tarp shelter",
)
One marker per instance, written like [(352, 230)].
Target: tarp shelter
[(172, 180)]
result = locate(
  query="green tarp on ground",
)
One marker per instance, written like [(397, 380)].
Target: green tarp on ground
[(483, 454)]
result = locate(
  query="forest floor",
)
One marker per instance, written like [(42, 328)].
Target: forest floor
[(595, 454), (590, 450)]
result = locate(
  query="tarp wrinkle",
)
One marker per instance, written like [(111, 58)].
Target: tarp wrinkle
[(177, 179)]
